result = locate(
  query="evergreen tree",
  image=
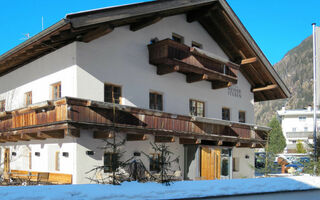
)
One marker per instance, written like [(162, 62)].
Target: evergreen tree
[(277, 142), (300, 148)]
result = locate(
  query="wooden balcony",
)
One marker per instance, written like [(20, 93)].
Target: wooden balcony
[(170, 56), (65, 117)]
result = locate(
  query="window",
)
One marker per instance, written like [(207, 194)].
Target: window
[(56, 90), (305, 128), (242, 116), (57, 159), (294, 141), (294, 129), (225, 113), (177, 38), (196, 44), (28, 98), (196, 108), (302, 119), (235, 164), (112, 93), (155, 101), (155, 162), (2, 105), (111, 162)]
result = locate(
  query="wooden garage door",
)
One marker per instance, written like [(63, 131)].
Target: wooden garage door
[(210, 163)]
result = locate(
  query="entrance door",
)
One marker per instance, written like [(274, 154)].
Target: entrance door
[(6, 161), (210, 163)]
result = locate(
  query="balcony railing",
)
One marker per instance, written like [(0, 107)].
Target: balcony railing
[(171, 56)]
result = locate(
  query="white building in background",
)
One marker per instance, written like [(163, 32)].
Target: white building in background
[(297, 125), (183, 73)]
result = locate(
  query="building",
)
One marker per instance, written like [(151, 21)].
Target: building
[(297, 126), (181, 72)]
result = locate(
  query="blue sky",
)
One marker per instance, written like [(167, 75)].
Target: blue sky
[(276, 25)]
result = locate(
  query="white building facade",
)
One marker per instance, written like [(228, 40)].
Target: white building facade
[(56, 109), (297, 126)]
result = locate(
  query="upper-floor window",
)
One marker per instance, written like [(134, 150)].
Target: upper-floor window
[(112, 93), (302, 119), (225, 113), (196, 108), (56, 90), (196, 44), (2, 105), (294, 129), (177, 38), (242, 116), (305, 128), (28, 98), (155, 101)]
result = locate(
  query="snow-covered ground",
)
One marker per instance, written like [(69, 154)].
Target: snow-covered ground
[(182, 190)]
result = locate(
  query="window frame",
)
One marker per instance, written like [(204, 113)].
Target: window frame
[(156, 100), (197, 101), (179, 37), (28, 98), (196, 44), (59, 91), (240, 112), (222, 113), (2, 105), (154, 162), (112, 157), (112, 92)]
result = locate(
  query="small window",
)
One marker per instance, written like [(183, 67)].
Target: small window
[(177, 38), (305, 128), (56, 90), (226, 114), (294, 141), (196, 44), (302, 119), (57, 161), (242, 116), (112, 93), (110, 162), (235, 164), (2, 105), (28, 98), (155, 162), (155, 101), (197, 108), (294, 129)]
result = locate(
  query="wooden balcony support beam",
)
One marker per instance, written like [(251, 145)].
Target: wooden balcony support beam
[(163, 139), (144, 23), (136, 137), (220, 143), (189, 141), (162, 69), (268, 87), (102, 134), (191, 77), (218, 84), (249, 61), (59, 134), (72, 132)]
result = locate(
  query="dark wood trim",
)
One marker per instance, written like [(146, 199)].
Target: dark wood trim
[(189, 141), (98, 32), (163, 69), (136, 137), (163, 139), (144, 23), (191, 77)]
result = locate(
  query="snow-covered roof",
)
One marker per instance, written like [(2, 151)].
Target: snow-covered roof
[(178, 190)]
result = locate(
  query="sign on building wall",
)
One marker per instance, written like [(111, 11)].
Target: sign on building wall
[(234, 91)]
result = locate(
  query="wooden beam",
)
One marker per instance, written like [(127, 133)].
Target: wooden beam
[(238, 144), (218, 84), (33, 136), (54, 134), (200, 13), (72, 132), (189, 141), (98, 32), (248, 61), (102, 134), (220, 142), (162, 70), (191, 77), (268, 87), (136, 137), (163, 139), (144, 23)]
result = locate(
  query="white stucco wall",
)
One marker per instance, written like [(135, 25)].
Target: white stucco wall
[(121, 58), (37, 76), (246, 165), (46, 161)]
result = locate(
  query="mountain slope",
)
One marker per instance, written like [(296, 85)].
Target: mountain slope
[(296, 71)]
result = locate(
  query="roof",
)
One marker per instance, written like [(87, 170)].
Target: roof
[(297, 112), (216, 16)]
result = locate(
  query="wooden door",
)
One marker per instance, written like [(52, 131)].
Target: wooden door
[(6, 160), (210, 163)]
